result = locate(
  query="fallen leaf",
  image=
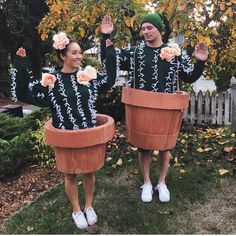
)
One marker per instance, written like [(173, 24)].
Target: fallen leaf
[(200, 150), (222, 143), (156, 153), (108, 159), (233, 135), (134, 148), (228, 149), (29, 228), (114, 166), (119, 162), (177, 164), (223, 171), (134, 171), (182, 171)]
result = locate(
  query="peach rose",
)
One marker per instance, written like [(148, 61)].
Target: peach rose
[(91, 71), (48, 80), (166, 54), (83, 77), (60, 41), (175, 49)]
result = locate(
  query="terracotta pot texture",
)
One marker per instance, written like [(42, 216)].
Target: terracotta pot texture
[(153, 119), (80, 151)]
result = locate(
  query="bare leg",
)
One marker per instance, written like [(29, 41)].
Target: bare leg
[(145, 163), (164, 165), (88, 186), (71, 188)]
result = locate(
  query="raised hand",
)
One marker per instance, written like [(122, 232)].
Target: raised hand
[(107, 25), (21, 52), (201, 51)]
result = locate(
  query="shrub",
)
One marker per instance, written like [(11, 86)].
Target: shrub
[(110, 104), (14, 153), (42, 153), (10, 126)]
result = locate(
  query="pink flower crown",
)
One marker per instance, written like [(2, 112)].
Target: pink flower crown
[(60, 41)]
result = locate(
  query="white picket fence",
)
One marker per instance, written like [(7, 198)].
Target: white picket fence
[(214, 108)]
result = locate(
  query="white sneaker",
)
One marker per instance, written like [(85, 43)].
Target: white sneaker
[(147, 192), (164, 193), (91, 216), (80, 220)]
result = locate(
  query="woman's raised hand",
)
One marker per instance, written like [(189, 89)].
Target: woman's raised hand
[(21, 52), (107, 25)]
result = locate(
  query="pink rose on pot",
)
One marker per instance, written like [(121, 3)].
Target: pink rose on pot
[(48, 80)]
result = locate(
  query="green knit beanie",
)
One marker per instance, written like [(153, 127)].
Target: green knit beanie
[(155, 19)]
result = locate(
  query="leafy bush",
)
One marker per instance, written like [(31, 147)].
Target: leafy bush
[(110, 104), (14, 153), (22, 141), (42, 152), (10, 126)]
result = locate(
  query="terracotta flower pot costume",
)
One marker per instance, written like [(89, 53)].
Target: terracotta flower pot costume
[(153, 119), (80, 151)]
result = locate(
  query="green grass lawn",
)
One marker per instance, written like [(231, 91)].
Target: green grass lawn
[(118, 205), (193, 179)]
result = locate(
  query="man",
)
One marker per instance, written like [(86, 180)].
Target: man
[(153, 68)]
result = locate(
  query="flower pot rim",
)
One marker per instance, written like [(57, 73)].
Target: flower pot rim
[(80, 138), (155, 100)]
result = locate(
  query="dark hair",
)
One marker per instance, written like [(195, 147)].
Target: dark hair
[(64, 50)]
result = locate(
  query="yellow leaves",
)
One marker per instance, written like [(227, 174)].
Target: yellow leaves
[(109, 158), (182, 171), (198, 5), (222, 6), (223, 171), (177, 164), (119, 162), (200, 150), (74, 19), (44, 36), (134, 170), (230, 12), (204, 39), (82, 32), (127, 21)]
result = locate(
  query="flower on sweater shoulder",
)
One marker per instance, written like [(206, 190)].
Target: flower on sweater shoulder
[(48, 80), (170, 52), (84, 76)]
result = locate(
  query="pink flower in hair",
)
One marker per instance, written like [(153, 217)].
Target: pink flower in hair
[(60, 41)]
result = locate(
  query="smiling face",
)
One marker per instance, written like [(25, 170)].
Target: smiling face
[(151, 34), (72, 57)]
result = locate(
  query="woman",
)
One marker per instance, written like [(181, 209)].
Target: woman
[(70, 93)]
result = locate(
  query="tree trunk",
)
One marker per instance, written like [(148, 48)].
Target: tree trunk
[(4, 73)]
